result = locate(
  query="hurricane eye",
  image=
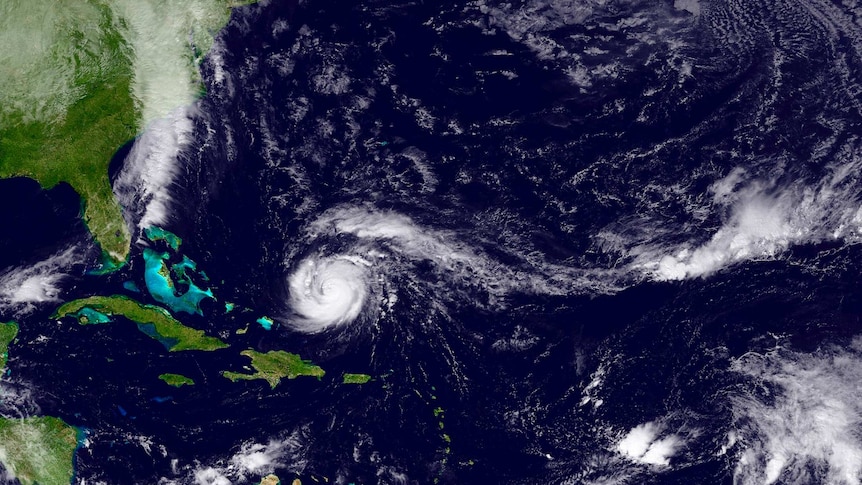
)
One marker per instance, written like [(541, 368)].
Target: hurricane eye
[(327, 292)]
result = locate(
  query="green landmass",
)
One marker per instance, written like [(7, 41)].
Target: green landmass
[(274, 366), (176, 380), (356, 378), (8, 332), (154, 321), (84, 140), (38, 450), (78, 79), (270, 480)]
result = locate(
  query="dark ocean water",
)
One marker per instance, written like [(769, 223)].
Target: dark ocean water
[(36, 222)]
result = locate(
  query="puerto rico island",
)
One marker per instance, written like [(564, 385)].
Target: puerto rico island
[(154, 321), (355, 378), (274, 366)]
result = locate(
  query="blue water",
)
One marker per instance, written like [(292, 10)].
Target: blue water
[(131, 286), (93, 316), (265, 322), (37, 223), (163, 288)]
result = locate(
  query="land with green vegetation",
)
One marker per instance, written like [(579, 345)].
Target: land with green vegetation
[(8, 332), (356, 378), (38, 450), (177, 380), (154, 321), (80, 78), (270, 480), (274, 366)]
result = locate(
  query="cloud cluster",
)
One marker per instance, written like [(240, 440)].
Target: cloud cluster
[(642, 444), (23, 288), (806, 428)]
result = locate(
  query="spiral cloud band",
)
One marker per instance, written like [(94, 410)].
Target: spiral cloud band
[(328, 292)]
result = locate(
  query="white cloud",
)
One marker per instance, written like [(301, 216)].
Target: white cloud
[(253, 461), (761, 226), (637, 441), (210, 476), (756, 211), (806, 427), (660, 451), (641, 445), (25, 287), (161, 37), (455, 258), (149, 170), (259, 458), (327, 292)]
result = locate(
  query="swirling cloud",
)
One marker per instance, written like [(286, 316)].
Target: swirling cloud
[(328, 291)]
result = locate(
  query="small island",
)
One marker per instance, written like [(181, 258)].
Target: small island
[(177, 380), (265, 322), (8, 332), (274, 366), (270, 480), (356, 378), (154, 321), (38, 450)]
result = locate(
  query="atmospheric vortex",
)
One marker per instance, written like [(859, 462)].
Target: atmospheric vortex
[(328, 292)]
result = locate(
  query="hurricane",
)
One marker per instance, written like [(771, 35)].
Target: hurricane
[(329, 291)]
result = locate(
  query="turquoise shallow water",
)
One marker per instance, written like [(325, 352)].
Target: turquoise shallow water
[(92, 316), (161, 285), (155, 233), (265, 322)]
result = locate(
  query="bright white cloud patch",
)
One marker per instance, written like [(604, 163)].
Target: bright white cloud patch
[(642, 444), (151, 166), (326, 292), (326, 289), (765, 216), (252, 461), (210, 476), (453, 255), (329, 290), (761, 226), (807, 428), (257, 457), (25, 287)]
